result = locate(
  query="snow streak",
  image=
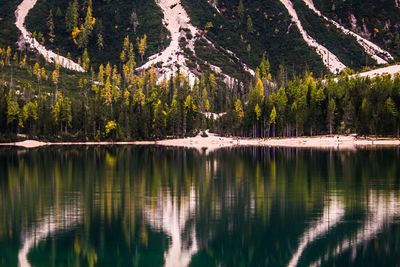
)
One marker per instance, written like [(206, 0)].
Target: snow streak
[(381, 56), (26, 38), (172, 59), (330, 60), (177, 21)]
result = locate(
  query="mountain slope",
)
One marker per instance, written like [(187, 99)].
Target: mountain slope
[(376, 20), (228, 37), (113, 22)]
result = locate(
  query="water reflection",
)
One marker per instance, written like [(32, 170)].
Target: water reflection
[(332, 215), (149, 206), (173, 216), (48, 226), (382, 210)]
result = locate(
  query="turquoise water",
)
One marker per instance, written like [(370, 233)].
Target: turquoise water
[(154, 206)]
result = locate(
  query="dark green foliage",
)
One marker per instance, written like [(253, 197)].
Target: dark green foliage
[(345, 47), (218, 57), (90, 107), (8, 31), (113, 22), (308, 107), (271, 23), (380, 18)]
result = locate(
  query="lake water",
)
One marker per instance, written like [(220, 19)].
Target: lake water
[(153, 206)]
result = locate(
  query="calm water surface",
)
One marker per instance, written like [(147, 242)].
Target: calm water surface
[(152, 206)]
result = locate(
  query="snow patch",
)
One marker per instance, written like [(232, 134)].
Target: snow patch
[(330, 60), (379, 55), (233, 55), (213, 116), (172, 59), (177, 21), (391, 70), (26, 38)]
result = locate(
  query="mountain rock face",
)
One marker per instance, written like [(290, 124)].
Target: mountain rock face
[(228, 37)]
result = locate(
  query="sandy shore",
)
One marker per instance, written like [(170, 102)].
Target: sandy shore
[(213, 142)]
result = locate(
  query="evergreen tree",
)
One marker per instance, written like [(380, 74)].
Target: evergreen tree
[(241, 10), (51, 27), (72, 16), (250, 26)]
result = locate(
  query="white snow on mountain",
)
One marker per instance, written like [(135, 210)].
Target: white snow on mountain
[(173, 58), (26, 38), (176, 20), (330, 60), (390, 70), (381, 56)]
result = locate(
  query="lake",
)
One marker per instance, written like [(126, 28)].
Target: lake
[(155, 206)]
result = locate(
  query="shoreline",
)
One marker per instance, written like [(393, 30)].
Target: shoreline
[(214, 142)]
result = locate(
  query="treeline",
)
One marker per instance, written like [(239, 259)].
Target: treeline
[(113, 102), (306, 106), (120, 103)]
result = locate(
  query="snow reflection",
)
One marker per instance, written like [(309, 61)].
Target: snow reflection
[(331, 216), (382, 210), (52, 223), (172, 216)]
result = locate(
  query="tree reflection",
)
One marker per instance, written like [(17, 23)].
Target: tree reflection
[(152, 206)]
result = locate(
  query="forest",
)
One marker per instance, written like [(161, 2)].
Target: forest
[(117, 102)]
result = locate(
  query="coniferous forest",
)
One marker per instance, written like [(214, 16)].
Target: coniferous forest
[(117, 102)]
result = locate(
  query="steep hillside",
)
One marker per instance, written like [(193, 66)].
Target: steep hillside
[(271, 31), (377, 20), (8, 31), (113, 21), (227, 37)]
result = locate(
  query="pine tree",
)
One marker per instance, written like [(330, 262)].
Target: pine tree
[(241, 10), (250, 26), (331, 114), (264, 66), (238, 114), (142, 46), (55, 76), (272, 119), (50, 27), (100, 42), (72, 16), (13, 110), (62, 112), (134, 21), (30, 114), (85, 60)]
